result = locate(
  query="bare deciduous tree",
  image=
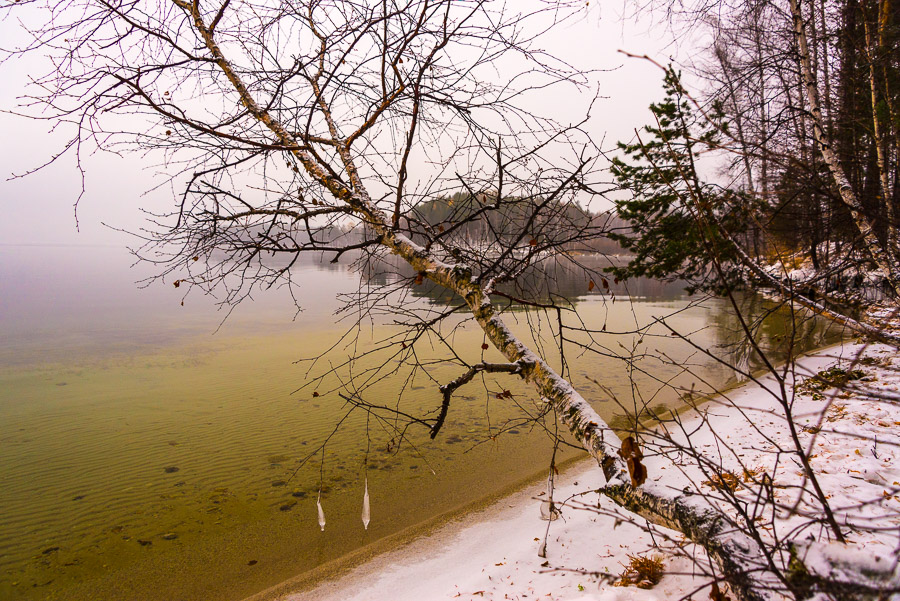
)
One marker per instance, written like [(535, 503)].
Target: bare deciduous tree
[(367, 129)]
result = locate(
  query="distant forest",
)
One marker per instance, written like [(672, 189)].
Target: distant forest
[(480, 218)]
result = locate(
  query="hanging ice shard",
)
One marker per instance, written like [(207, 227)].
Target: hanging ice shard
[(365, 511), (321, 513)]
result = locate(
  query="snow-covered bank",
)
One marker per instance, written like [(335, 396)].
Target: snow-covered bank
[(493, 554)]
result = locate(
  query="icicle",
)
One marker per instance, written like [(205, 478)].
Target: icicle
[(365, 511), (321, 513)]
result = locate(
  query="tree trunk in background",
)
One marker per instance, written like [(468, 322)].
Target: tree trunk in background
[(883, 259)]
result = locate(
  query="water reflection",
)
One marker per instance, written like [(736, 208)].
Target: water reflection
[(765, 332), (144, 457), (560, 278)]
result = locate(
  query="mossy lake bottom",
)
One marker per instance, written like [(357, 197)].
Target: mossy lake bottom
[(145, 458)]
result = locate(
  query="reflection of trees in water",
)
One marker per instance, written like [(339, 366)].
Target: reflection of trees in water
[(562, 279), (558, 278), (780, 331), (666, 371), (668, 374)]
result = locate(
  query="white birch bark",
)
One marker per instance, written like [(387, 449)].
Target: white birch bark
[(884, 260), (878, 133), (738, 557)]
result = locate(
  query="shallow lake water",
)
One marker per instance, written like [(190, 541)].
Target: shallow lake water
[(149, 451)]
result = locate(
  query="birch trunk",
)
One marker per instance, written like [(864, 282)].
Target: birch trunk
[(791, 295), (738, 557), (828, 568), (748, 569), (873, 51), (884, 260)]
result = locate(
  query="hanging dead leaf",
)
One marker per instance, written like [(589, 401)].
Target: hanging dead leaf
[(440, 228), (716, 594), (605, 283), (632, 454), (484, 346), (176, 283), (196, 258), (420, 278), (533, 242), (590, 285), (315, 394)]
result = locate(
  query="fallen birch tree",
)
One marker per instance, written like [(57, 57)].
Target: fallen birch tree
[(294, 119)]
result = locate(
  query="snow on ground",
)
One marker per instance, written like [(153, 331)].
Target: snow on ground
[(493, 554)]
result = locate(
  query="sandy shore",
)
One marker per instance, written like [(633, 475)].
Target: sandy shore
[(494, 553)]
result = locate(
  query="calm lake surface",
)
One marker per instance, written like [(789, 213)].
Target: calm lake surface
[(148, 453)]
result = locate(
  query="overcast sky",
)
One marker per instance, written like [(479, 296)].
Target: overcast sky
[(38, 209)]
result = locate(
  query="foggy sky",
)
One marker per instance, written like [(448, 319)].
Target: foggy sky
[(38, 209)]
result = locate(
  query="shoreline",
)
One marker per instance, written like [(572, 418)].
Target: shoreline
[(432, 528), (460, 544), (492, 551)]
